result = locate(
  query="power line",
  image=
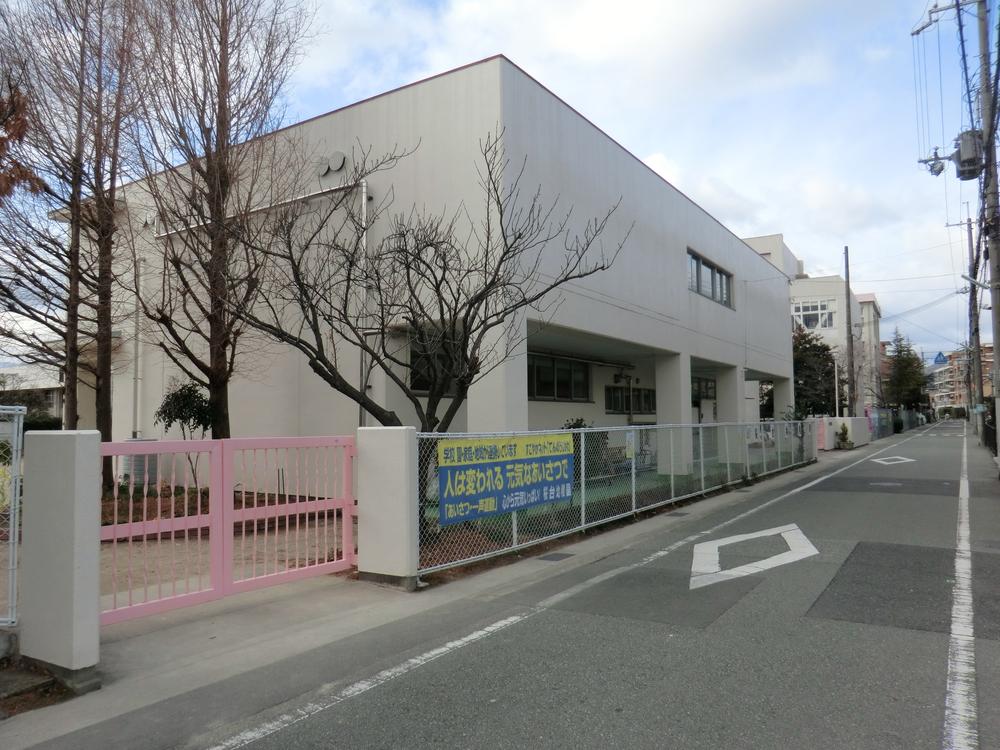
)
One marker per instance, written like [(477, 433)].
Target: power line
[(919, 308), (907, 278)]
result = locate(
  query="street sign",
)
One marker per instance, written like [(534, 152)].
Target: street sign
[(940, 359)]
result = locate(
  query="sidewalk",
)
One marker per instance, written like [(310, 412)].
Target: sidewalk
[(148, 660)]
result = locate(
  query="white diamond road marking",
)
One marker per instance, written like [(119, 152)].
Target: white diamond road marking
[(890, 460), (706, 569)]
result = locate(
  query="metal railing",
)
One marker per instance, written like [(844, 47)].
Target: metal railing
[(188, 521), (11, 434), (485, 494)]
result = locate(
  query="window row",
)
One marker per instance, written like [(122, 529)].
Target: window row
[(616, 400), (702, 388), (814, 314), (556, 379), (709, 280)]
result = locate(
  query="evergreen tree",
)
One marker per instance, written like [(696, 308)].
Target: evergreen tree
[(814, 367), (906, 374)]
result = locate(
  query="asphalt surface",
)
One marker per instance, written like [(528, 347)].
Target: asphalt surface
[(847, 647)]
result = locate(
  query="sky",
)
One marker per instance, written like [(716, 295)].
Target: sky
[(799, 117)]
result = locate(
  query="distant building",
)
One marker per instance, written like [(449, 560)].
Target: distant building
[(819, 304), (20, 379), (948, 385)]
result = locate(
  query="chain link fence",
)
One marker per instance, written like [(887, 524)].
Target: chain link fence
[(11, 432), (486, 494)]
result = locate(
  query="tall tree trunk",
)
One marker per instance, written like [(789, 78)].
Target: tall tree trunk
[(104, 339)]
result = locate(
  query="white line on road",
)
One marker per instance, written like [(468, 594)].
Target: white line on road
[(363, 686), (584, 585), (961, 729), (706, 567)]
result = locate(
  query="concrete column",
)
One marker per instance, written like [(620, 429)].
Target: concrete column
[(673, 406), (730, 390), (386, 466), (499, 402), (784, 397), (60, 556)]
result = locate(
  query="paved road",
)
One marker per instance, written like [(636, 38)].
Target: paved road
[(829, 612)]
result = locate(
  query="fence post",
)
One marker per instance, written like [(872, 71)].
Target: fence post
[(748, 473), (633, 470), (725, 442), (778, 432), (387, 470), (220, 513), (701, 455), (60, 558), (513, 528), (348, 454), (670, 432), (583, 478)]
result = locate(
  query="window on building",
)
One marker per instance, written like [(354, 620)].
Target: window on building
[(709, 280), (814, 314), (557, 379), (616, 400), (422, 375), (702, 388)]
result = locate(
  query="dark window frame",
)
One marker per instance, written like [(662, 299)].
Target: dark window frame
[(579, 392), (719, 281), (615, 400)]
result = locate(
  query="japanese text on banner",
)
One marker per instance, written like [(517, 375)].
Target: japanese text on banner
[(480, 477)]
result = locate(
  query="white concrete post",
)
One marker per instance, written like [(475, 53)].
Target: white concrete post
[(673, 406), (60, 556), (499, 402), (388, 505), (784, 397)]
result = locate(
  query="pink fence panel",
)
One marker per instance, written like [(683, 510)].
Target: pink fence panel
[(293, 509), (159, 522), (186, 522)]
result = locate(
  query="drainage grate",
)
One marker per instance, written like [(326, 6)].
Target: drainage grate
[(677, 513), (555, 556)]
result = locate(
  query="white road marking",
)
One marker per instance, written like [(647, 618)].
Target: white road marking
[(890, 460), (706, 568), (363, 686), (584, 585), (358, 688), (961, 724)]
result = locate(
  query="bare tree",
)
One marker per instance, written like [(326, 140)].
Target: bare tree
[(438, 301), (214, 76), (56, 277)]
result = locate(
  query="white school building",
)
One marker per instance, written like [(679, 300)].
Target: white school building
[(687, 316)]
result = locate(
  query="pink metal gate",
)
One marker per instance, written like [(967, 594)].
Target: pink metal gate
[(188, 521)]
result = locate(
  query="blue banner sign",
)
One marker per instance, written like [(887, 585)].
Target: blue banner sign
[(480, 477)]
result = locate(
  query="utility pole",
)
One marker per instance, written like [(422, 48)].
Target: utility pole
[(992, 228), (977, 361), (851, 386)]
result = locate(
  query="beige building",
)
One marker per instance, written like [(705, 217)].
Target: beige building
[(672, 333), (949, 384), (819, 304)]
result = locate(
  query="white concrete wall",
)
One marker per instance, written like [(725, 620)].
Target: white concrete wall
[(642, 300), (60, 570)]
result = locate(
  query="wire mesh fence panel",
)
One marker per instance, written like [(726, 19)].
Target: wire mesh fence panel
[(483, 494), (11, 431)]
